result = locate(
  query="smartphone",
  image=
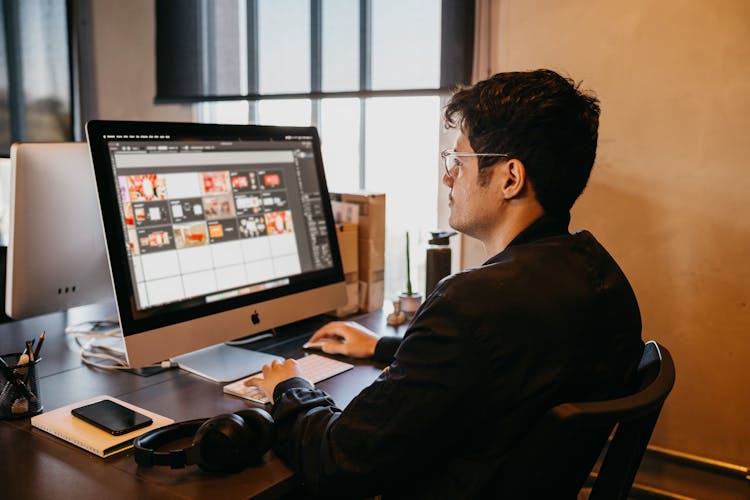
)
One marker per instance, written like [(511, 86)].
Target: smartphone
[(112, 417)]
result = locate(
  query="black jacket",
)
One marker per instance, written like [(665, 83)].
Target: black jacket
[(550, 319)]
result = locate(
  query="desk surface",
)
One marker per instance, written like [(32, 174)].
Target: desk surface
[(38, 465)]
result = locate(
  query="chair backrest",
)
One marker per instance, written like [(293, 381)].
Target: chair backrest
[(557, 455)]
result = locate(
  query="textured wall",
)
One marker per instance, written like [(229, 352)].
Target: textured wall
[(669, 193)]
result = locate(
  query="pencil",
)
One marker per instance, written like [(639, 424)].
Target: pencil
[(39, 345)]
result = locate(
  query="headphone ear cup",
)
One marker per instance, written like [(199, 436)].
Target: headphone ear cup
[(259, 424), (222, 442)]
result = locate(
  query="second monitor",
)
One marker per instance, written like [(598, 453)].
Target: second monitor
[(56, 258)]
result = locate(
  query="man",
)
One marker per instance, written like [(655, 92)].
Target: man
[(548, 318)]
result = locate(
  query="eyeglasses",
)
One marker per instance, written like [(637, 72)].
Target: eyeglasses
[(452, 160)]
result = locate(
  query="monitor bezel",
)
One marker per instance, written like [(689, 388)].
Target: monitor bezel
[(134, 321)]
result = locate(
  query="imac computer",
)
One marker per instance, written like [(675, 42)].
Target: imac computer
[(56, 258), (213, 232)]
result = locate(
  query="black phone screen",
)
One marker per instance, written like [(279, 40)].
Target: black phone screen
[(112, 417)]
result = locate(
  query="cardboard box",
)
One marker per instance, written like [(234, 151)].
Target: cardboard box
[(371, 213), (346, 234), (371, 222), (372, 290)]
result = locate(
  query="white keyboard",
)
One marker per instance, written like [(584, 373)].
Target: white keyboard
[(314, 368)]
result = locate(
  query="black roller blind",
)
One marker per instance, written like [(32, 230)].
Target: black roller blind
[(199, 55)]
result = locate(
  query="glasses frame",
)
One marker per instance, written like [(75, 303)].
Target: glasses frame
[(446, 154)]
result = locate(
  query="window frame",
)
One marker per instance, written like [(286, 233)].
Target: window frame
[(457, 23), (11, 18)]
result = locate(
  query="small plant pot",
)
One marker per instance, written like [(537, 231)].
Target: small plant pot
[(410, 303)]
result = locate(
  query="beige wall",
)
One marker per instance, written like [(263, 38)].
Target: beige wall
[(124, 62), (669, 193)]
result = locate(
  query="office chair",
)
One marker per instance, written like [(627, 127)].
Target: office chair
[(557, 455)]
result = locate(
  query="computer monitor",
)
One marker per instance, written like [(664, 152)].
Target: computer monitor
[(56, 258), (214, 232)]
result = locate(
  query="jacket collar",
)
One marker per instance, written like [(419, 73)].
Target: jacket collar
[(546, 226)]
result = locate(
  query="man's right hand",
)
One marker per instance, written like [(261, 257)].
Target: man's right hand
[(347, 338)]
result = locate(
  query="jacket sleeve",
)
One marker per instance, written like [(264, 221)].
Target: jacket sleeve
[(395, 424), (386, 349)]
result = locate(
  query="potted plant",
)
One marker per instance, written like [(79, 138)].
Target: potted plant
[(409, 299)]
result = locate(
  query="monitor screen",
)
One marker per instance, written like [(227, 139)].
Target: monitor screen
[(213, 232), (56, 258)]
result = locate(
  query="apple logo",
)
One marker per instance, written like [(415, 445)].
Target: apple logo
[(255, 318)]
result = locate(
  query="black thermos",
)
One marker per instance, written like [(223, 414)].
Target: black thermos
[(438, 259)]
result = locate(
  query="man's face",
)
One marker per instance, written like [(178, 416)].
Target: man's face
[(474, 207)]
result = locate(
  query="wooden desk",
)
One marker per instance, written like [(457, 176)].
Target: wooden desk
[(38, 465)]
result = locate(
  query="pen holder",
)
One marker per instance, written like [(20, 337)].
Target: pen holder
[(19, 388)]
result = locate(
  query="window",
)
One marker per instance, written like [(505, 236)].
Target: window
[(35, 81), (370, 74)]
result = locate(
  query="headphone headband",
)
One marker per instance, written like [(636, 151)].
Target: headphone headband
[(224, 443), (146, 444)]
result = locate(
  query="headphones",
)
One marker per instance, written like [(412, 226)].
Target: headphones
[(225, 443)]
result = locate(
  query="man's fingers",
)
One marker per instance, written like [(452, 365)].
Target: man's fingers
[(255, 381), (330, 331), (334, 348)]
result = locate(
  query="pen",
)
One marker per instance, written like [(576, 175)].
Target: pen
[(39, 345)]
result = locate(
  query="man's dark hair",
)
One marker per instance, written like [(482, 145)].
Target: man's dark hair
[(538, 117)]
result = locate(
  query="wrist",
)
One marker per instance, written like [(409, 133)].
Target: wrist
[(290, 383), (373, 344)]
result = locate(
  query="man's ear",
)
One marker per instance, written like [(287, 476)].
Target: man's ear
[(514, 179)]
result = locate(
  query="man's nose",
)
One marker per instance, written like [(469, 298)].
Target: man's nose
[(447, 180)]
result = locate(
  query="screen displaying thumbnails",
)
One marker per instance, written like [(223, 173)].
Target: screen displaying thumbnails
[(213, 230)]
